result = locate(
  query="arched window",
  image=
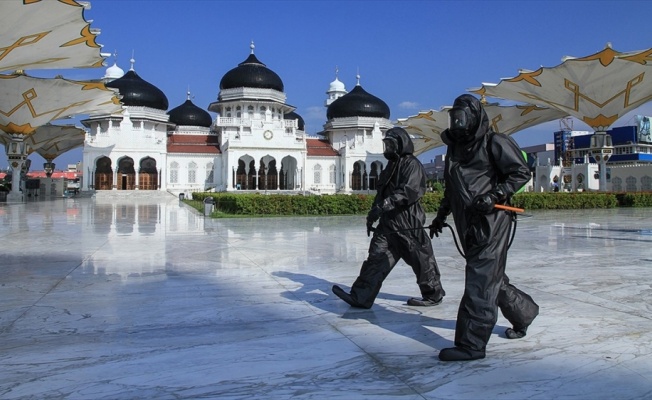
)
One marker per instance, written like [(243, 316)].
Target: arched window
[(174, 172), (331, 173), (192, 172), (630, 184), (617, 184), (646, 183), (209, 172), (543, 181), (580, 181), (317, 171)]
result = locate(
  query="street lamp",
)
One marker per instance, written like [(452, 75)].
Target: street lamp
[(601, 150)]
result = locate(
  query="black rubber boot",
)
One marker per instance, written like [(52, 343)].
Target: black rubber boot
[(339, 292), (460, 354), (513, 333), (424, 302)]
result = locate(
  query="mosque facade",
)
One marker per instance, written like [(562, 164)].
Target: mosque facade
[(257, 141)]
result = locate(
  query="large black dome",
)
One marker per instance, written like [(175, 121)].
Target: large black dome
[(251, 73), (292, 115), (189, 114), (358, 103), (135, 91)]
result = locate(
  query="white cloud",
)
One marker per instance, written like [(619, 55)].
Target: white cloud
[(408, 105)]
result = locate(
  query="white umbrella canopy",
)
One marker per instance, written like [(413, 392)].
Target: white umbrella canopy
[(423, 144), (426, 127), (597, 89), (46, 34), (27, 102), (50, 141)]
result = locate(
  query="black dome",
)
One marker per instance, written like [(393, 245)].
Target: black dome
[(293, 115), (190, 115), (251, 73), (137, 92), (358, 103)]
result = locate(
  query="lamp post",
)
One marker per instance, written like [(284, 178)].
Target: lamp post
[(601, 150), (17, 156)]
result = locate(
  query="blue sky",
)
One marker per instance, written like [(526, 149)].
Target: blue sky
[(415, 55)]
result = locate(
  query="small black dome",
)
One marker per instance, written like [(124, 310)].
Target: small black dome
[(251, 73), (293, 115), (190, 115), (135, 91), (358, 103)]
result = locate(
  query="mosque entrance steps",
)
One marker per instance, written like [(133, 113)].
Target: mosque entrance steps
[(133, 194)]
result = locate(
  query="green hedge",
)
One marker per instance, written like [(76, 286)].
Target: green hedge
[(564, 201), (248, 204), (635, 199), (279, 204)]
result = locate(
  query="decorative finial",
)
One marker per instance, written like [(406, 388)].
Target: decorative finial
[(132, 61), (252, 47), (357, 77), (337, 70), (188, 93)]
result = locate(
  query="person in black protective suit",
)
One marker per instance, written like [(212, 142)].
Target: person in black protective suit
[(400, 233), (482, 169)]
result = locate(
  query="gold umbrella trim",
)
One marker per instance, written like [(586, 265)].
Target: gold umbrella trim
[(23, 41), (86, 37)]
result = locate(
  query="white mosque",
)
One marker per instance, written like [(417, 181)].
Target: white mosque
[(256, 143)]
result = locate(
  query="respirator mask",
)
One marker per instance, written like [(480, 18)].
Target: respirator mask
[(462, 123), (390, 148)]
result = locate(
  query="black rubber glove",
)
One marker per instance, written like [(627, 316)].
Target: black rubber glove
[(373, 216), (484, 203), (437, 226)]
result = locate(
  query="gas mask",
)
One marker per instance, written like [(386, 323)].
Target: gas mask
[(462, 123), (391, 148)]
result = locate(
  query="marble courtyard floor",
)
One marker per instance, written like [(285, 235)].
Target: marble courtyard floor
[(138, 297)]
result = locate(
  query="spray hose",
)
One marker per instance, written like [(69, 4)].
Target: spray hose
[(512, 222)]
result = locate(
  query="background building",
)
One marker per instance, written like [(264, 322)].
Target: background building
[(627, 157)]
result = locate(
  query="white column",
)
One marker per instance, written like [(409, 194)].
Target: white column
[(115, 178)]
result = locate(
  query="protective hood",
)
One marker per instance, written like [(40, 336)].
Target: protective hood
[(477, 113), (405, 145)]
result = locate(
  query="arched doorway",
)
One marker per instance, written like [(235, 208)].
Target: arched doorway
[(148, 174), (287, 180), (103, 174), (245, 175), (359, 176), (126, 174), (268, 174), (376, 167)]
